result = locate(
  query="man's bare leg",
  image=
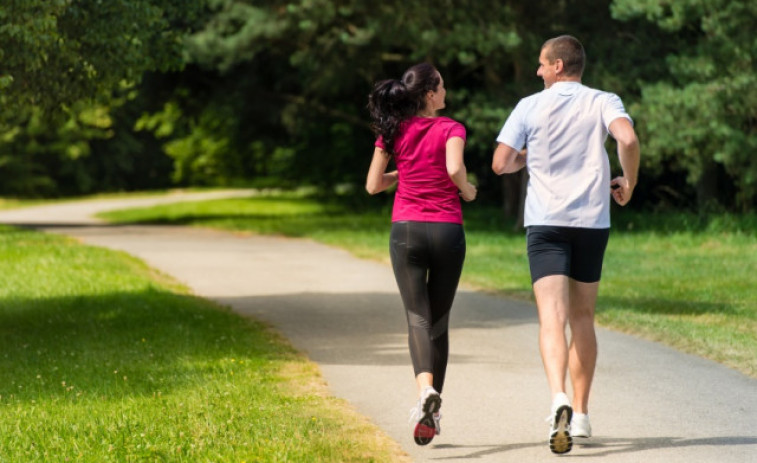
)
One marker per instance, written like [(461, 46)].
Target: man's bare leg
[(552, 301), (582, 359)]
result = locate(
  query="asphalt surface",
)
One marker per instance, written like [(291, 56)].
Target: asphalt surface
[(649, 403)]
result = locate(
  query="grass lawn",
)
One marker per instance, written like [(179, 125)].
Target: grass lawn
[(13, 203), (103, 360), (680, 279)]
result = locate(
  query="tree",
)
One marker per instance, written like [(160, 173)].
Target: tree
[(58, 52), (299, 73), (61, 60), (701, 118)]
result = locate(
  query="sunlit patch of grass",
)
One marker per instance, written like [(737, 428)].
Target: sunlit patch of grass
[(103, 360), (694, 291)]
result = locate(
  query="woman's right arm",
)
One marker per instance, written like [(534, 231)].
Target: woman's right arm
[(378, 179)]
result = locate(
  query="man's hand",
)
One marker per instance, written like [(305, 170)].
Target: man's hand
[(622, 190)]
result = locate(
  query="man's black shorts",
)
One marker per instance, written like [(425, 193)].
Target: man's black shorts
[(575, 252)]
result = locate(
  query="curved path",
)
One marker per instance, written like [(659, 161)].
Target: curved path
[(649, 403)]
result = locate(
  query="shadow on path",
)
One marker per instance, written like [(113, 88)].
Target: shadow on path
[(596, 447), (370, 328)]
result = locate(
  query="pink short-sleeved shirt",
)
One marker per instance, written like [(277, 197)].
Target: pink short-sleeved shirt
[(425, 193)]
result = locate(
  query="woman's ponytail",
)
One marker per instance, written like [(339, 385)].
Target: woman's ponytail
[(389, 104), (392, 101)]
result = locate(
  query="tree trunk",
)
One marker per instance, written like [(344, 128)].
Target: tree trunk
[(707, 187), (522, 199), (514, 196)]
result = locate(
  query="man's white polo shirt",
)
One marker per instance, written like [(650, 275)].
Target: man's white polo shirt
[(564, 129)]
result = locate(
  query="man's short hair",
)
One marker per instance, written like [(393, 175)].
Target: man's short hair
[(568, 49)]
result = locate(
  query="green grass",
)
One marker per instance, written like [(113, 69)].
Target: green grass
[(682, 279), (6, 203), (13, 203), (694, 291), (104, 360)]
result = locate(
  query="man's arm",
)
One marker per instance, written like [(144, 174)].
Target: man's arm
[(507, 159), (629, 154)]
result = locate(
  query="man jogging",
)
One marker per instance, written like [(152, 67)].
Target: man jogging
[(567, 216)]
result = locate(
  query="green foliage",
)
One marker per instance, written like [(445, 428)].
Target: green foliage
[(51, 146), (275, 91), (86, 150), (64, 67), (296, 76), (703, 115), (58, 52)]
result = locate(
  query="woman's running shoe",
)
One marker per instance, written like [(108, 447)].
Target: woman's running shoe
[(422, 416)]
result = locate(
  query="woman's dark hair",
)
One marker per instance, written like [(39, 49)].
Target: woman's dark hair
[(393, 101)]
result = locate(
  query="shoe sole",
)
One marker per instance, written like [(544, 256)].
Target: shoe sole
[(425, 429), (560, 440)]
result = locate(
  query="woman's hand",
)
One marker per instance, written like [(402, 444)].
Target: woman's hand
[(469, 192)]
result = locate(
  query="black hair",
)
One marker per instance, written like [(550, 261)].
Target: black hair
[(393, 101)]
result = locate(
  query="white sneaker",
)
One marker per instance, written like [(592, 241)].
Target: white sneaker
[(559, 429), (422, 416), (580, 426), (438, 422)]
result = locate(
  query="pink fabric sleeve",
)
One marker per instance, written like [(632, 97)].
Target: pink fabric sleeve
[(456, 130)]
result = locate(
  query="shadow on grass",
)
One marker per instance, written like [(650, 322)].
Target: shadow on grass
[(299, 225), (477, 219), (677, 222), (123, 344), (648, 305), (329, 215), (137, 343)]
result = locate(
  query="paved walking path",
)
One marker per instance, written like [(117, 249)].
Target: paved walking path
[(649, 403)]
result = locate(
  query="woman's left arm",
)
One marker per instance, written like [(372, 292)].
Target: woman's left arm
[(378, 179), (456, 169)]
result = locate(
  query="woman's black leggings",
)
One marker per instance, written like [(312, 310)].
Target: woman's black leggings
[(427, 258)]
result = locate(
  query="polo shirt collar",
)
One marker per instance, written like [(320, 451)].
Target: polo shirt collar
[(566, 88)]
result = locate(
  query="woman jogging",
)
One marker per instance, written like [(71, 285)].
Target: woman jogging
[(427, 242)]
